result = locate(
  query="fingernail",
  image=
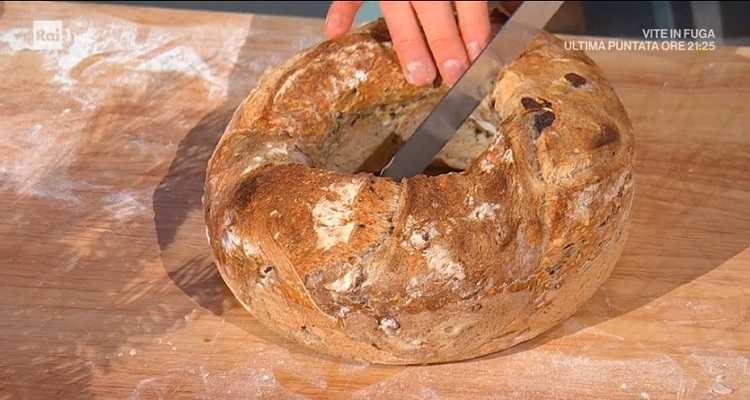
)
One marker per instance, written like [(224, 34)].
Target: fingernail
[(474, 49), (453, 70), (419, 73)]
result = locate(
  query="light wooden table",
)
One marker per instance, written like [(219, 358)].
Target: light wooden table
[(107, 289)]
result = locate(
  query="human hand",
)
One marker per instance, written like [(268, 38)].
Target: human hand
[(425, 34)]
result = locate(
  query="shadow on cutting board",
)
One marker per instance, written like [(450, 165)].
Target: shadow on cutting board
[(665, 210), (178, 213)]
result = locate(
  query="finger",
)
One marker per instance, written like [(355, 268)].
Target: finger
[(340, 17), (474, 23), (412, 51), (442, 35)]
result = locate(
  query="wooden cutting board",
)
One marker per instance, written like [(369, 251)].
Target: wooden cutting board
[(107, 288)]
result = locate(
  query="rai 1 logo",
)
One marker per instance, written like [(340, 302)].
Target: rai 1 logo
[(48, 35)]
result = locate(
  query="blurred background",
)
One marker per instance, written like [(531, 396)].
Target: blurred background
[(728, 19)]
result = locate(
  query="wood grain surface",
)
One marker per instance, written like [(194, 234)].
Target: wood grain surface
[(107, 288)]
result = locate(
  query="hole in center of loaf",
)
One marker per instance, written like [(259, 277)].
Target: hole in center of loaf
[(366, 140)]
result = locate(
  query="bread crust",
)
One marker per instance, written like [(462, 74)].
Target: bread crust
[(432, 268)]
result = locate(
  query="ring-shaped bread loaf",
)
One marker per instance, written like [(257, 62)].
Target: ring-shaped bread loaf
[(521, 228)]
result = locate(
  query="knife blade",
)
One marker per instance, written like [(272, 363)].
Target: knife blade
[(466, 94)]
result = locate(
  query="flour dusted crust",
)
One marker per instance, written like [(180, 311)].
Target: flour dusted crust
[(523, 225)]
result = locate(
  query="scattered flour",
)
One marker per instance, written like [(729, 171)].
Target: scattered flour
[(35, 163), (357, 78), (334, 218), (289, 82), (483, 211), (250, 249), (723, 371), (99, 46), (508, 156), (419, 237), (240, 382), (70, 265), (109, 55), (230, 240), (620, 184), (721, 388), (186, 60), (440, 260), (15, 40), (388, 325), (277, 153), (346, 282), (254, 163), (537, 374), (486, 165), (125, 205), (582, 204)]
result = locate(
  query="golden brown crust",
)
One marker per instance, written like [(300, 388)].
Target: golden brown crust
[(435, 268)]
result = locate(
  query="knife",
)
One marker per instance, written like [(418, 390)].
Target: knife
[(466, 94)]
